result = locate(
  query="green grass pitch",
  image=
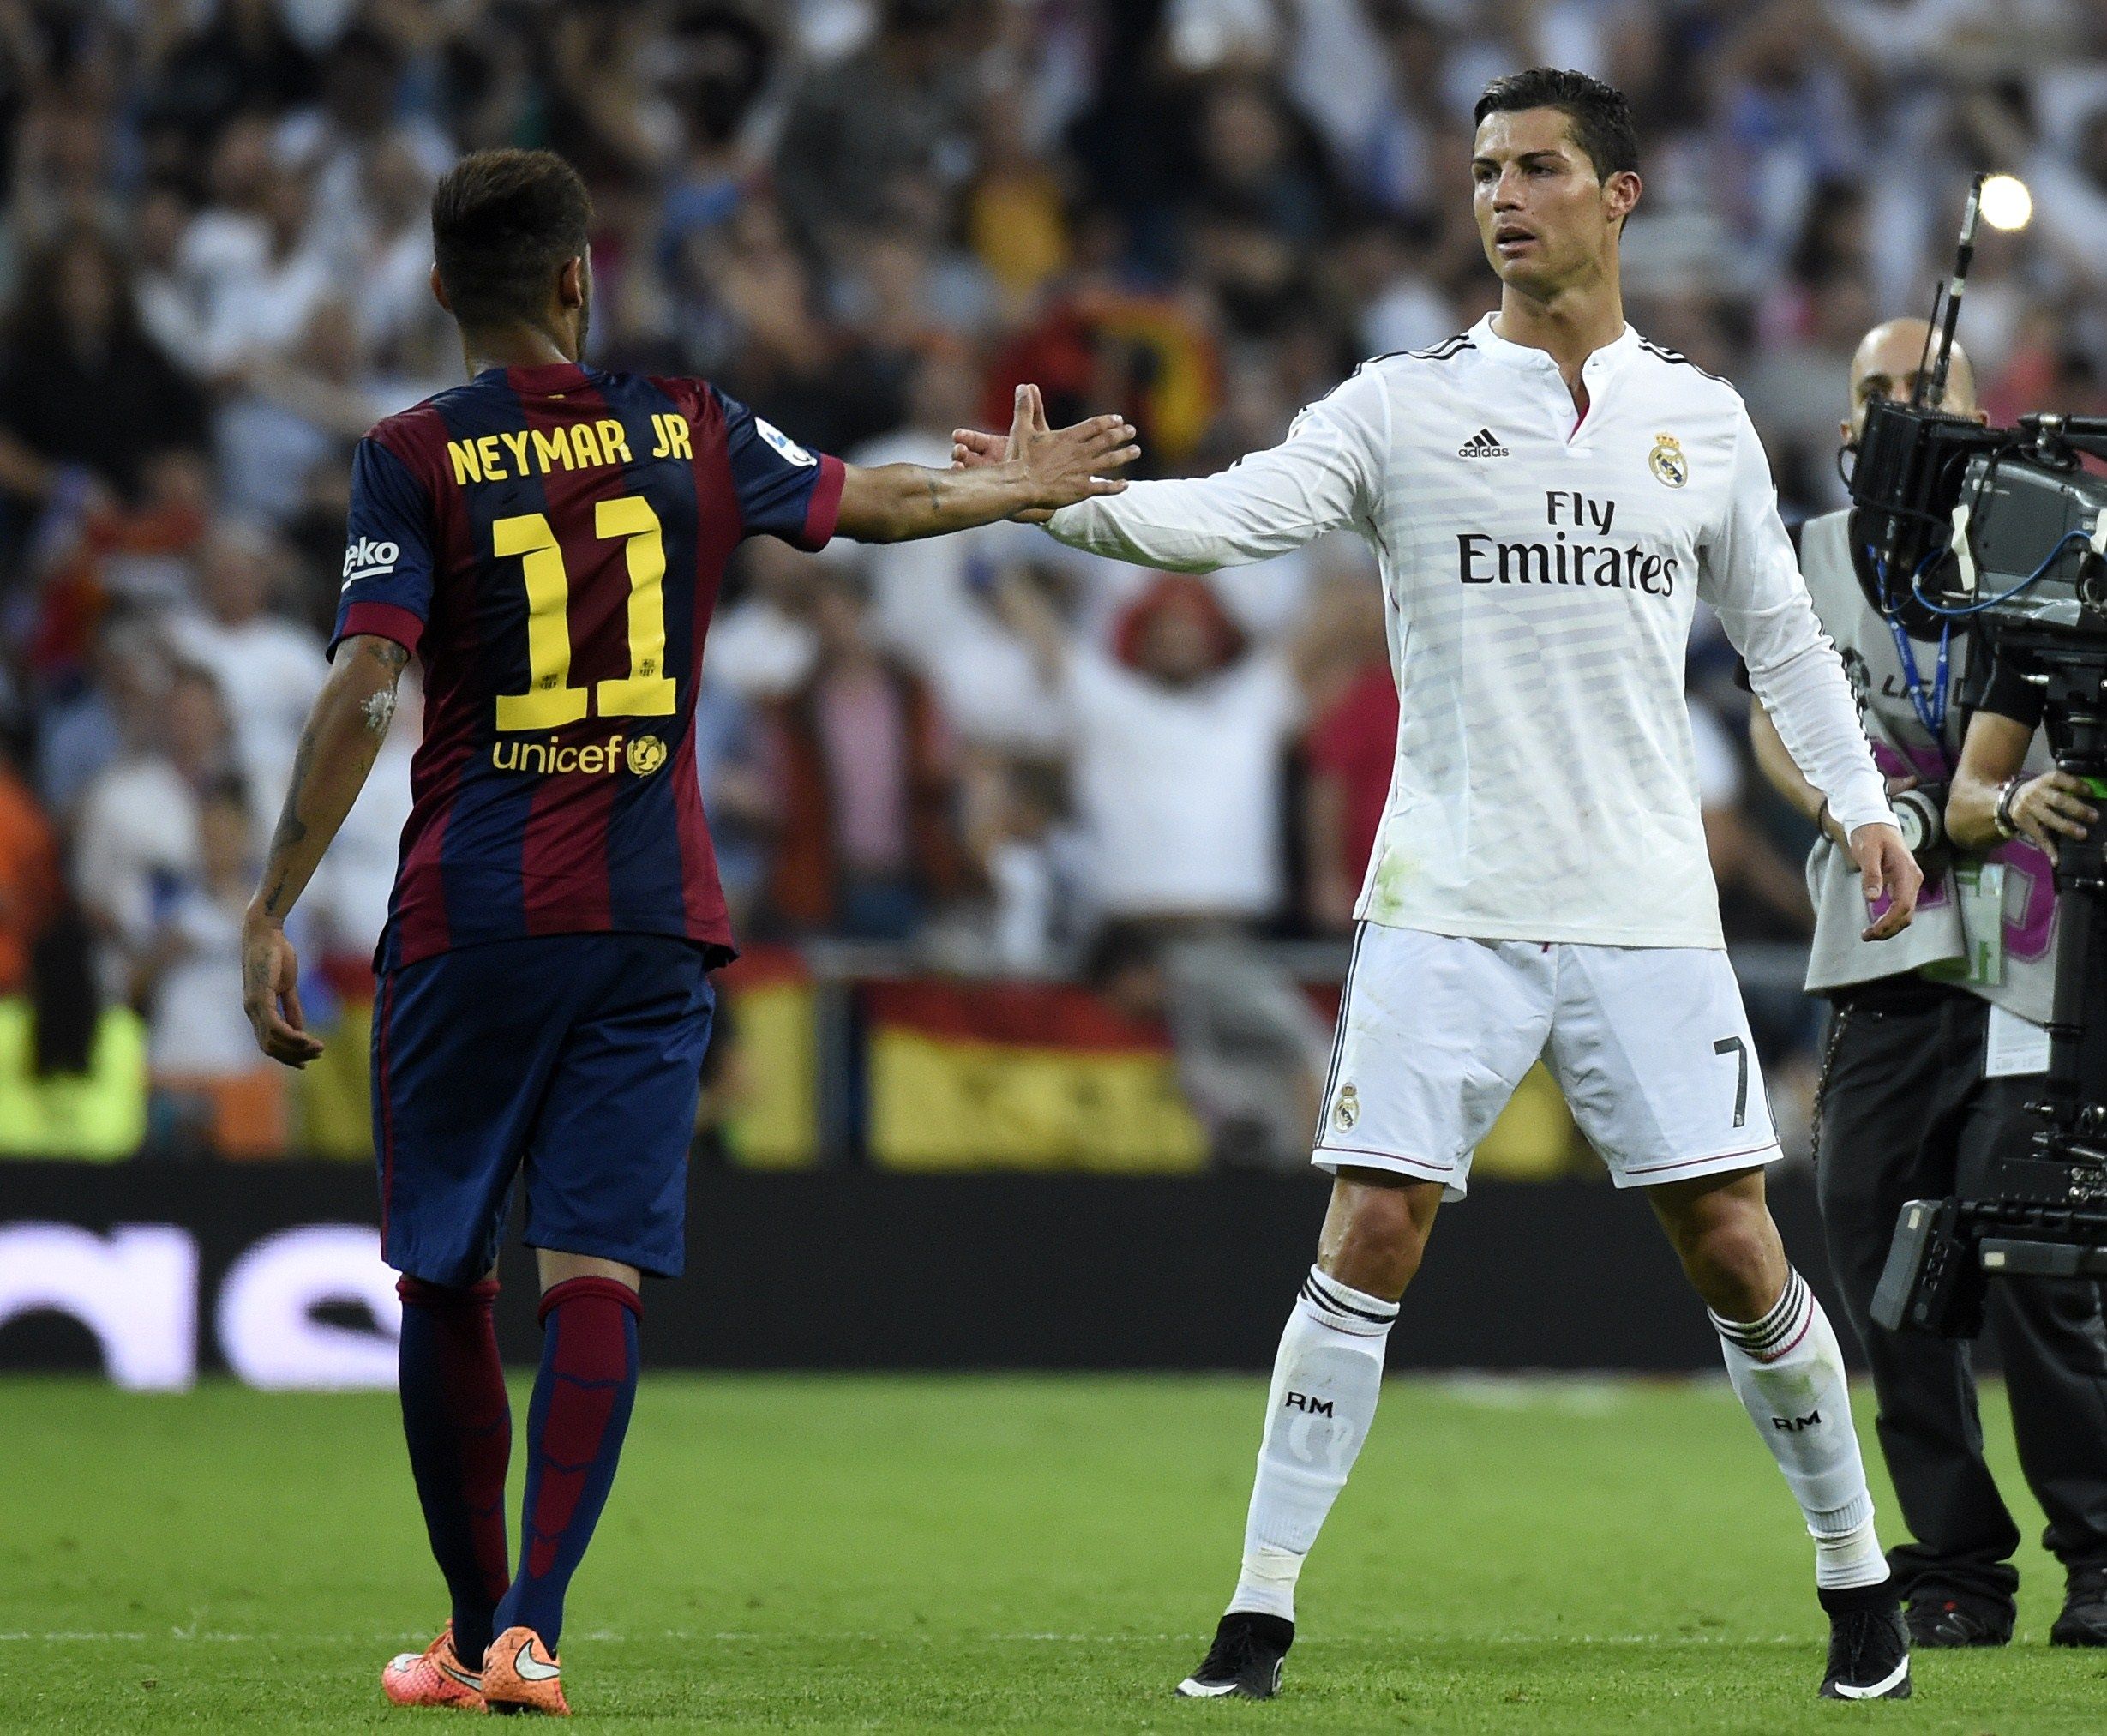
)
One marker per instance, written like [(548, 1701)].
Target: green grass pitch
[(970, 1554)]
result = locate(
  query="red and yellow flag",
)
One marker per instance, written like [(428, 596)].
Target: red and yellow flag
[(1020, 1075)]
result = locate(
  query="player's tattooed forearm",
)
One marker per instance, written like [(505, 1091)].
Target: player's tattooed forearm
[(328, 788), (291, 831), (392, 657), (936, 491), (273, 900)]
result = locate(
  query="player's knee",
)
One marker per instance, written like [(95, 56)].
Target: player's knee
[(1376, 1232), (1737, 1264)]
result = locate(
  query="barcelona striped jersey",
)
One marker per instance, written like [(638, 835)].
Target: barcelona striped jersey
[(550, 541)]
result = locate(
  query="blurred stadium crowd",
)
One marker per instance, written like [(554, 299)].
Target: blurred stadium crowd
[(868, 219)]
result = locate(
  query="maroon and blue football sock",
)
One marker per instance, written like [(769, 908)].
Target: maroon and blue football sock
[(458, 1421), (575, 1424)]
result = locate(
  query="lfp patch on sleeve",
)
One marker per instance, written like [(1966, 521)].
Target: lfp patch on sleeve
[(782, 442)]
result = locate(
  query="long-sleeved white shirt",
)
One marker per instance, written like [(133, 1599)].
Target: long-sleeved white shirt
[(1539, 571)]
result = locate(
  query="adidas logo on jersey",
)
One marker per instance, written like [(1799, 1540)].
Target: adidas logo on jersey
[(1482, 445), (367, 559)]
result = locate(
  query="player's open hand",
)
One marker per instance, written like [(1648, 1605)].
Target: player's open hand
[(1890, 878), (271, 993), (974, 448)]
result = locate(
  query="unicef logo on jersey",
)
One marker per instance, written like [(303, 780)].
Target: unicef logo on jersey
[(641, 755), (782, 442)]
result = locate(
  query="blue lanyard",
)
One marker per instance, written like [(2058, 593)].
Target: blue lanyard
[(1929, 706)]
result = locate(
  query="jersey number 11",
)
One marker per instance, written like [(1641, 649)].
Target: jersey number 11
[(550, 701)]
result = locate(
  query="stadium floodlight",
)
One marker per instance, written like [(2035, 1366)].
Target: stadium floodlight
[(2007, 204)]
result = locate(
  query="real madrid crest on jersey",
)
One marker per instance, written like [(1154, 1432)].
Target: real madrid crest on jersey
[(1666, 460), (1346, 1110)]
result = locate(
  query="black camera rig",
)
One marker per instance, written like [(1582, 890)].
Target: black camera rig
[(2005, 531)]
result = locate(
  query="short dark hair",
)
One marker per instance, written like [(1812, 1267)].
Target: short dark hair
[(503, 225), (1600, 116)]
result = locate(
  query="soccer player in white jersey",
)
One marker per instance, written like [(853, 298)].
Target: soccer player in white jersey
[(1548, 495)]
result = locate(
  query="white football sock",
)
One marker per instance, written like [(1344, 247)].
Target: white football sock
[(1788, 1370), (1325, 1382)]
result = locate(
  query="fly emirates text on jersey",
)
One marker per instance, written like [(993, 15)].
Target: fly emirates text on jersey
[(1483, 559)]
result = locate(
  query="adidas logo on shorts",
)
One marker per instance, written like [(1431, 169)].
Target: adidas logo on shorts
[(1482, 445)]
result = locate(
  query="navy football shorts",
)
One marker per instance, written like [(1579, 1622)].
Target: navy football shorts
[(575, 1057)]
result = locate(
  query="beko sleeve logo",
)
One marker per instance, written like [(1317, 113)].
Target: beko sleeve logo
[(369, 559)]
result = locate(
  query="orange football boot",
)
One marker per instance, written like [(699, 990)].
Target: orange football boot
[(433, 1677), (518, 1675)]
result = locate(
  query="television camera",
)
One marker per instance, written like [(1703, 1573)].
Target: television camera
[(2002, 531)]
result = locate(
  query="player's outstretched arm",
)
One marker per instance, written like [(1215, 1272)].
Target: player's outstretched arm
[(1044, 468), (1748, 573), (1324, 476), (343, 732)]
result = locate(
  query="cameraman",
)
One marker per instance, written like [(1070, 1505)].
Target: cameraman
[(1934, 1038)]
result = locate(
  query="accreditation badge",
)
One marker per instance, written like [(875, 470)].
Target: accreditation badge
[(1982, 888)]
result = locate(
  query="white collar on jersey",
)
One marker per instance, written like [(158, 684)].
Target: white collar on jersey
[(1613, 355)]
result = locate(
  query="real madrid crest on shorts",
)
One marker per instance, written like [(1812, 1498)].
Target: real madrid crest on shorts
[(1346, 1108), (646, 754), (1666, 460)]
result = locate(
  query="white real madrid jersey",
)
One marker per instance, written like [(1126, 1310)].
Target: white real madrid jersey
[(1540, 568)]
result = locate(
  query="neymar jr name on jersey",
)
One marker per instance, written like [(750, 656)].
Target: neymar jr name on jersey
[(578, 445)]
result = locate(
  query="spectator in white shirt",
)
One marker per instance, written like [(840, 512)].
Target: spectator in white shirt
[(229, 235), (267, 667), (762, 646), (986, 669), (1178, 743), (170, 296), (332, 140), (136, 844), (1021, 835), (263, 303), (388, 252), (213, 1088), (299, 411)]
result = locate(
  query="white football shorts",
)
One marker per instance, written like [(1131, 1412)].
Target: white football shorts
[(1650, 1044)]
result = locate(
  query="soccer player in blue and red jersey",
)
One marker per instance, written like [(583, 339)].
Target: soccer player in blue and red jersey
[(548, 538)]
